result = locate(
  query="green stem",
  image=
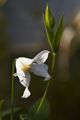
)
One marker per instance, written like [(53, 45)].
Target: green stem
[(46, 90), (12, 92), (42, 100), (53, 61)]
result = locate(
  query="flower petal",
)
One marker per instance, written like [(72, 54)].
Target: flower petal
[(20, 63), (19, 67), (40, 70), (41, 57), (23, 77), (24, 60), (26, 93), (25, 81)]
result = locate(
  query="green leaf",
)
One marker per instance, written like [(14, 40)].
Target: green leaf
[(49, 35), (43, 112), (1, 104), (49, 23), (57, 37), (49, 19)]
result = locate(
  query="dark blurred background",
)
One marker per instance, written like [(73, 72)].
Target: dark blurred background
[(22, 33)]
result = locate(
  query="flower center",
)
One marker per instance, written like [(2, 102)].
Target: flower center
[(26, 68)]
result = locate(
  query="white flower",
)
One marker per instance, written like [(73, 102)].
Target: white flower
[(36, 65)]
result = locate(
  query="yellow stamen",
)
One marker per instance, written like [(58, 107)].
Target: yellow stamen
[(26, 68)]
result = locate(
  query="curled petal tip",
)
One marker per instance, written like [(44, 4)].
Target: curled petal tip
[(26, 93), (25, 96)]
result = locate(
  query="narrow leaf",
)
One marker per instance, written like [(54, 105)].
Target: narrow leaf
[(40, 115), (49, 19), (49, 33), (57, 37), (49, 23)]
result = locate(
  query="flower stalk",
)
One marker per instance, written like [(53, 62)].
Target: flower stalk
[(53, 61), (54, 42), (42, 100), (12, 92), (47, 87)]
